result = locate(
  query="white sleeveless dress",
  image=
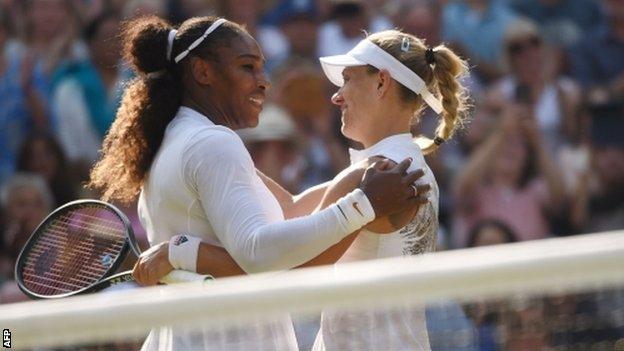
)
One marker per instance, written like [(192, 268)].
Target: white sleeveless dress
[(385, 329)]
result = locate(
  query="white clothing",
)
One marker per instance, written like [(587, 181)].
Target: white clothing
[(76, 134), (386, 329), (203, 181)]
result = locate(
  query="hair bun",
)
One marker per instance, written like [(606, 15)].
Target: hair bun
[(145, 43)]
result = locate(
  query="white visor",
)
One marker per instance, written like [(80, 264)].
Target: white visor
[(367, 53)]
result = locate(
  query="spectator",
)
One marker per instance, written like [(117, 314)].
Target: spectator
[(418, 17), (41, 154), (565, 313), (510, 177), (87, 92), (51, 30), (273, 148), (598, 60), (483, 123), (27, 68), (136, 8), (18, 99), (349, 19), (449, 328), (561, 21), (248, 13), (25, 201), (599, 204), (489, 315), (533, 80), (524, 325), (490, 232), (300, 89), (477, 27), (298, 21)]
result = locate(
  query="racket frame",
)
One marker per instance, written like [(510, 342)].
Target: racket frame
[(129, 243)]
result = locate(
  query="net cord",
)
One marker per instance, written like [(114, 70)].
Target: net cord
[(546, 266)]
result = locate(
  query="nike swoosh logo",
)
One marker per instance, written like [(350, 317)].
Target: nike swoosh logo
[(355, 205)]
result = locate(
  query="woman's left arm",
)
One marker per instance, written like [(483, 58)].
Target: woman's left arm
[(295, 205)]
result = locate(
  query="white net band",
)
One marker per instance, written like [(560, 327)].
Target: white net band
[(546, 267)]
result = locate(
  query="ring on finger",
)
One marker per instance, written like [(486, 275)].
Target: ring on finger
[(415, 190)]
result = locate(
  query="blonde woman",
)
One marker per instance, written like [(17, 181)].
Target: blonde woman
[(385, 82)]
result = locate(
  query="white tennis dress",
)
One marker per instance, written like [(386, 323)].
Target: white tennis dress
[(386, 329), (203, 181)]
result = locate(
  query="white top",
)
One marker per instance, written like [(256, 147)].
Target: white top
[(203, 181), (382, 329)]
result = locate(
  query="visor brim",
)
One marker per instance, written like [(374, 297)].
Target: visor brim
[(334, 65)]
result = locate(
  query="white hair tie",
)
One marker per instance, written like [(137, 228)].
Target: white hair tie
[(172, 34)]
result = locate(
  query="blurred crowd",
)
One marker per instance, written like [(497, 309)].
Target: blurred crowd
[(542, 156)]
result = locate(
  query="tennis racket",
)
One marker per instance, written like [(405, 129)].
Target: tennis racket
[(77, 248)]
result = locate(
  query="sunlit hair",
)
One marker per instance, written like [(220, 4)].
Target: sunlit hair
[(150, 100), (443, 79)]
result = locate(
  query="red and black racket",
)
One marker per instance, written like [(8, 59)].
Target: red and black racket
[(77, 248)]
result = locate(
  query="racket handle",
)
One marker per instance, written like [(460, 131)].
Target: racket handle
[(178, 276)]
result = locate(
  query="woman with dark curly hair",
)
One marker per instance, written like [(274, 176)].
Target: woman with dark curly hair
[(173, 142)]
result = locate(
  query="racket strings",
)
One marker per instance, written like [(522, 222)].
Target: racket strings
[(54, 238), (32, 262), (107, 224), (74, 251), (77, 230)]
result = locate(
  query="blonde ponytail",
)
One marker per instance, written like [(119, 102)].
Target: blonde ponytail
[(441, 69), (448, 69)]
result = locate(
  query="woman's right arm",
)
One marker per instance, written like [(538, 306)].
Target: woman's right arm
[(226, 183)]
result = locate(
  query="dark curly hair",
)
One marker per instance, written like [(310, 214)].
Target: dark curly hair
[(151, 99)]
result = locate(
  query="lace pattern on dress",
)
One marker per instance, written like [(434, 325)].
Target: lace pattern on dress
[(420, 235)]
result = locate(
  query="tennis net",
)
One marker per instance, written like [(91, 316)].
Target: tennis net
[(554, 294)]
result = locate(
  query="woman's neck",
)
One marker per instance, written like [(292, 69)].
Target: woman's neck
[(215, 114), (389, 124)]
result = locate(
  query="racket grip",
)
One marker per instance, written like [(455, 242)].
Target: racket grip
[(179, 276)]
